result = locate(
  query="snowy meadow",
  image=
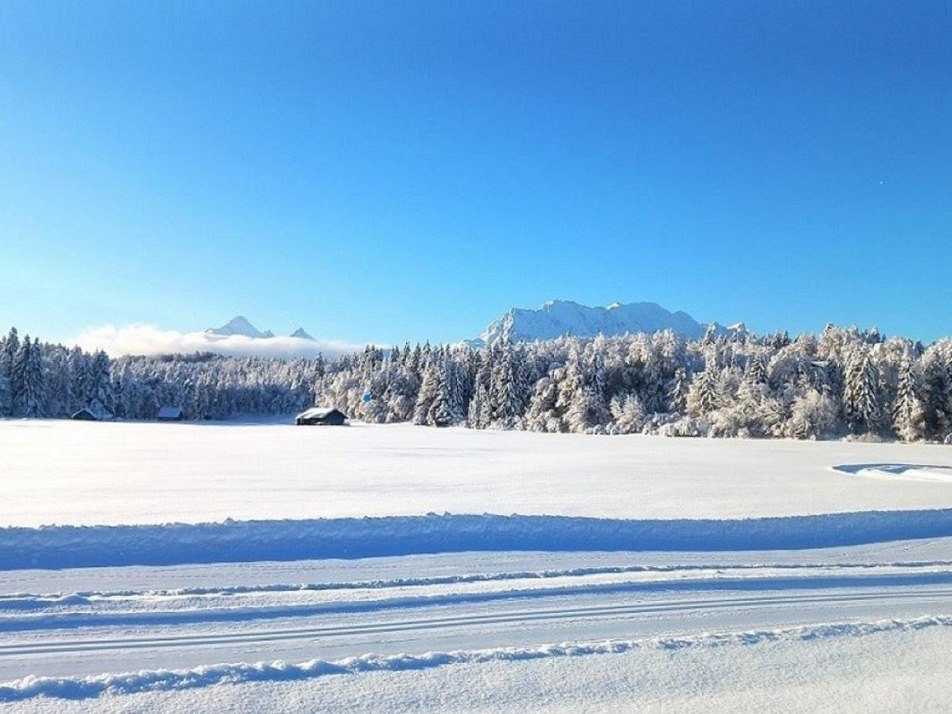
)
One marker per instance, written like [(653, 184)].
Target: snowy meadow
[(80, 473)]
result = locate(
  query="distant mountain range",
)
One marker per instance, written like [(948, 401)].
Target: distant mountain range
[(559, 318), (240, 325)]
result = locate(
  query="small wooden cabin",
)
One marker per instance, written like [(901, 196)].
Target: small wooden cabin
[(84, 414), (321, 416), (170, 414)]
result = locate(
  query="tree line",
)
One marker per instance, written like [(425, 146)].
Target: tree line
[(839, 383)]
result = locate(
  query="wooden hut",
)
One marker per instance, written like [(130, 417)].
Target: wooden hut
[(84, 414), (321, 416), (170, 414)]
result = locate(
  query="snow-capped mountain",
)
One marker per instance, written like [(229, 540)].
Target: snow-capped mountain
[(240, 325), (561, 317)]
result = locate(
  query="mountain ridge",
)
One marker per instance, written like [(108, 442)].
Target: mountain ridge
[(558, 318), (241, 326)]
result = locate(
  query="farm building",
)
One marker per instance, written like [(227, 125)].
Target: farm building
[(321, 416), (84, 414), (170, 414)]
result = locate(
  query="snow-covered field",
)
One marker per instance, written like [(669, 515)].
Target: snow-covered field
[(82, 473), (261, 567)]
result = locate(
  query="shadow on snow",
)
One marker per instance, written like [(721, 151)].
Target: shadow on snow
[(284, 540), (897, 469)]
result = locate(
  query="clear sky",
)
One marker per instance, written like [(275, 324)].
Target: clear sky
[(409, 170)]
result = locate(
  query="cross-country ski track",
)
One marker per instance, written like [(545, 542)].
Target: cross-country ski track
[(84, 633)]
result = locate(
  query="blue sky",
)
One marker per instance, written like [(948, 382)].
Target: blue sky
[(389, 171)]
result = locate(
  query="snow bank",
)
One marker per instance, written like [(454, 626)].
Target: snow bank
[(79, 688), (240, 541)]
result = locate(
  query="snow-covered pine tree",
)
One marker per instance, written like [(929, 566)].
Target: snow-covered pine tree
[(430, 391), (80, 376), (438, 413), (8, 349), (60, 388), (583, 400), (908, 417), (455, 390), (755, 371), (570, 383), (479, 413), (628, 415), (702, 395), (666, 375), (677, 391), (936, 394), (861, 404), (401, 394), (542, 414), (102, 396), (750, 397), (504, 395), (5, 396), (585, 412), (29, 395)]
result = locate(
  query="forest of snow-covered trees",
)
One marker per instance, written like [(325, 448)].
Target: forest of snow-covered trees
[(845, 381)]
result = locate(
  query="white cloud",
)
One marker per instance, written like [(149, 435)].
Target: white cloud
[(151, 340)]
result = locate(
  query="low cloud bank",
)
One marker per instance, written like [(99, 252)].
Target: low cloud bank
[(151, 340)]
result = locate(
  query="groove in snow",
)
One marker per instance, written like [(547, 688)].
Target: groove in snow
[(79, 688)]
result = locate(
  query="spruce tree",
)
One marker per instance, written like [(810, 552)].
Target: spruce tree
[(861, 404), (702, 395), (5, 396), (29, 396), (8, 350), (542, 414), (908, 415), (428, 394), (937, 389)]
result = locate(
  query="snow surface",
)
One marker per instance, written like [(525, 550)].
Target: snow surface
[(238, 673), (900, 472), (486, 632), (78, 473), (253, 567), (890, 670), (174, 543)]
